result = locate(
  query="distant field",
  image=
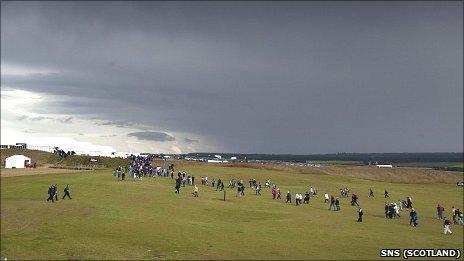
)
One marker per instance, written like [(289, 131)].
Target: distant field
[(396, 175), (144, 219), (431, 164), (338, 162)]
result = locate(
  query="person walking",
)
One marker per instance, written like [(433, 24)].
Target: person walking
[(332, 203), (306, 198), (56, 192), (409, 202), (326, 198), (400, 204), (414, 217), (178, 181), (67, 192), (50, 194), (371, 193), (258, 189), (397, 210), (354, 199), (440, 210), (195, 191), (446, 227), (459, 220), (239, 188), (289, 197), (386, 194), (360, 214)]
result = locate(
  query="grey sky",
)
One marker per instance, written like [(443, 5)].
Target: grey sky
[(252, 77)]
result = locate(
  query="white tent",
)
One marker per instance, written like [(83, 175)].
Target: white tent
[(17, 161)]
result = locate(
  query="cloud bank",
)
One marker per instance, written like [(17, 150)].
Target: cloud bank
[(258, 77)]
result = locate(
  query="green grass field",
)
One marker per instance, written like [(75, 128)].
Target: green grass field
[(145, 219)]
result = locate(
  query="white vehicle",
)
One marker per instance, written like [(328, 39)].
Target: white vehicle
[(384, 166)]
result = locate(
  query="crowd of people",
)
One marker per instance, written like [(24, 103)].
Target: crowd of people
[(143, 166), (392, 210), (344, 192)]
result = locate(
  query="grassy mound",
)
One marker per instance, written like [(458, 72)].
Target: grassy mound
[(43, 158), (77, 161), (37, 156)]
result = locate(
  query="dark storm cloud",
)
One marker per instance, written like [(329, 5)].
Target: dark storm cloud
[(272, 77), (190, 141), (152, 136)]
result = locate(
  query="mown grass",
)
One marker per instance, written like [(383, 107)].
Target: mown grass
[(144, 219), (35, 171)]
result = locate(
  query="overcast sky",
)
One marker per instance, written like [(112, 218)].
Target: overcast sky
[(251, 77)]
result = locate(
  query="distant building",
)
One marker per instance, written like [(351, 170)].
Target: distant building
[(21, 145), (217, 161), (384, 166), (17, 146)]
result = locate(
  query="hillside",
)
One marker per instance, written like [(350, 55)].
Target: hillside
[(42, 158), (46, 159)]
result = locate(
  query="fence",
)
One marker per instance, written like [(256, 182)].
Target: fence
[(29, 147)]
